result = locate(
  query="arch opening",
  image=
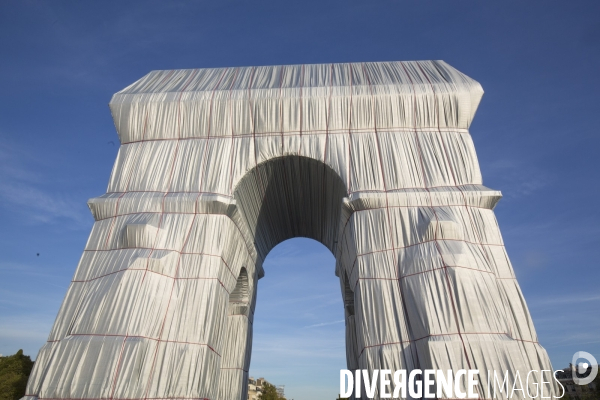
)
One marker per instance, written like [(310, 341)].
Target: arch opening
[(291, 196), (297, 197), (299, 326), (240, 294), (239, 298)]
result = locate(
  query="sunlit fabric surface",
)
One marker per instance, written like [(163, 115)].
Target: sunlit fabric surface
[(217, 166)]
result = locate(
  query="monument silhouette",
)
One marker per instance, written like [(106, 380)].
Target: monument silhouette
[(218, 166)]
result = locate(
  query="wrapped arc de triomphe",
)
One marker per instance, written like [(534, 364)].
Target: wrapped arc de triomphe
[(218, 166)]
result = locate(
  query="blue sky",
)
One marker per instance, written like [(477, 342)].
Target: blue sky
[(536, 134)]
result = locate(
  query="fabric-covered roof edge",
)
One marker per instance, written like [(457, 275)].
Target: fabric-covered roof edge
[(426, 85)]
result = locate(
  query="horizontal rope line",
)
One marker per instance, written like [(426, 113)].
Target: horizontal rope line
[(398, 190), (359, 255), (339, 131), (218, 214), (161, 192), (424, 272), (429, 241), (258, 89), (145, 270), (159, 212), (176, 251), (417, 244), (444, 334), (143, 337)]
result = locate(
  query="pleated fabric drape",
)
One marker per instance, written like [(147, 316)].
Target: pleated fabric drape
[(217, 166)]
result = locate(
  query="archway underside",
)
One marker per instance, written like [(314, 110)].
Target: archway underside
[(289, 197)]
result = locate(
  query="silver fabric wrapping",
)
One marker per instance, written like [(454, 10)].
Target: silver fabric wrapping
[(217, 166)]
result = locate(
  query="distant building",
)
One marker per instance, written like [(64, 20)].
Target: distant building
[(255, 388), (565, 377)]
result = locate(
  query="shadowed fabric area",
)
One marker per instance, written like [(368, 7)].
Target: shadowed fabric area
[(288, 197)]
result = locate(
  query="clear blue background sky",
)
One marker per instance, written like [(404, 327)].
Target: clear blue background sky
[(536, 133)]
